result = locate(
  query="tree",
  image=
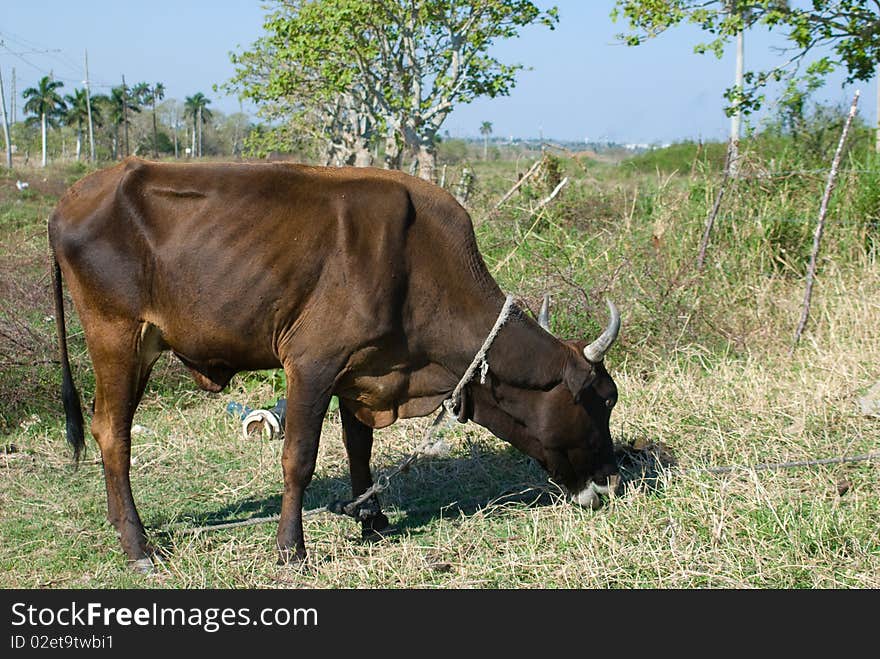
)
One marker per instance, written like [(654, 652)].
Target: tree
[(144, 94), (171, 110), (196, 107), (78, 114), (306, 86), (157, 93), (850, 28), (231, 132), (6, 135), (120, 102), (46, 104), (438, 56), (407, 64), (348, 129), (486, 131), (139, 93)]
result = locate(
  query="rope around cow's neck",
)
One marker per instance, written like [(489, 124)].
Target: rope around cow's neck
[(351, 508), (479, 360)]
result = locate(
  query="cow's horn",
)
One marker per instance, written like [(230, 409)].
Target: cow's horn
[(595, 352), (544, 314)]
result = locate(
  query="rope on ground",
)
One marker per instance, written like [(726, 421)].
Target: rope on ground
[(349, 508)]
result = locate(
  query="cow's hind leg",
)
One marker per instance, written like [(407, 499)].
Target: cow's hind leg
[(358, 439), (123, 353)]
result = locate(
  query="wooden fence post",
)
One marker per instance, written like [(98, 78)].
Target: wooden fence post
[(710, 221), (820, 226)]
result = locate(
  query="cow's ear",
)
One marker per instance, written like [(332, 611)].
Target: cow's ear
[(578, 375)]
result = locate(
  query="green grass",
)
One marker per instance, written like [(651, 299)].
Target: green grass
[(702, 365), (680, 158)]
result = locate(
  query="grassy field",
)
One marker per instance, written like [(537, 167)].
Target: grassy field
[(702, 365)]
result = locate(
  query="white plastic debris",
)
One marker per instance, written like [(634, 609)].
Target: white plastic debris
[(870, 402), (262, 422)]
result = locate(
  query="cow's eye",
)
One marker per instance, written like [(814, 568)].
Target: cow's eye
[(610, 403)]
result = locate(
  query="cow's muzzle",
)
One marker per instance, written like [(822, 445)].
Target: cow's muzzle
[(593, 494)]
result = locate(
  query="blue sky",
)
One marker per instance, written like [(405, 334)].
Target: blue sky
[(579, 85)]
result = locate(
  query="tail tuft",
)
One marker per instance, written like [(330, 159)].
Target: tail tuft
[(69, 394), (73, 413)]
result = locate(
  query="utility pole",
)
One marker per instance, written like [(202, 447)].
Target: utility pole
[(5, 126), (43, 124), (176, 124), (125, 114), (12, 100), (89, 112), (200, 130), (235, 148), (736, 119)]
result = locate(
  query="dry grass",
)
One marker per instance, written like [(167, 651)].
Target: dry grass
[(670, 529), (484, 516)]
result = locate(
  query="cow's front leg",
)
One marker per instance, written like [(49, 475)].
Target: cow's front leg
[(358, 439), (307, 402)]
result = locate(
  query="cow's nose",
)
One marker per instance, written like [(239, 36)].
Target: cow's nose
[(591, 494)]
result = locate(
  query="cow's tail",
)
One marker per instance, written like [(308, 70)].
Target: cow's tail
[(69, 394)]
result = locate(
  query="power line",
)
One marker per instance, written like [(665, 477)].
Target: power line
[(56, 54), (17, 38), (35, 49), (28, 62), (44, 71)]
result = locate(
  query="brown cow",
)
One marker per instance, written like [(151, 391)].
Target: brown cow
[(362, 283)]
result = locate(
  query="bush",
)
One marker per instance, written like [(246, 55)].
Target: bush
[(863, 201), (452, 151), (808, 141), (681, 157)]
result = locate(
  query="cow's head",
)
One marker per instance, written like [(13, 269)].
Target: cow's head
[(563, 427)]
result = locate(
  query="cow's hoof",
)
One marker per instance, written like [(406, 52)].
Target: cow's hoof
[(368, 537), (377, 523), (374, 524), (291, 558), (143, 566), (377, 528)]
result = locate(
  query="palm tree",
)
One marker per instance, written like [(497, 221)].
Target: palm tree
[(116, 115), (485, 131), (157, 93), (78, 114), (140, 93), (140, 96), (120, 104), (195, 106), (46, 103)]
